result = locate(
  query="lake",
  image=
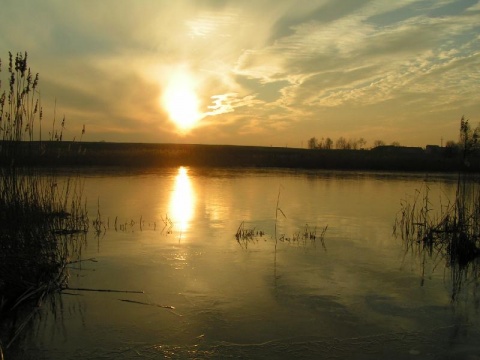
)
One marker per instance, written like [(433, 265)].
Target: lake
[(251, 263)]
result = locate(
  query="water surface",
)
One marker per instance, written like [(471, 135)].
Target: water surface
[(171, 234)]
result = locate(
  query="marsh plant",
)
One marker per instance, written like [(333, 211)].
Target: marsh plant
[(43, 217), (306, 236), (449, 233), (246, 234), (453, 229)]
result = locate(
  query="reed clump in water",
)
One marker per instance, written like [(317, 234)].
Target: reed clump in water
[(40, 227), (43, 219), (306, 236), (453, 232), (245, 235)]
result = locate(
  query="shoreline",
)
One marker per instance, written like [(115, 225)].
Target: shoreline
[(148, 155)]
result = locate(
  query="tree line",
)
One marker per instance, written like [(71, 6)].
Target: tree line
[(344, 143), (468, 142)]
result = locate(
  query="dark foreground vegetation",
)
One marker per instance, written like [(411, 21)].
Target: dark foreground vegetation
[(102, 154), (452, 230), (43, 221)]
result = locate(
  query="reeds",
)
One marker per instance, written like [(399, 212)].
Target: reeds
[(451, 232), (454, 231), (306, 236), (43, 218), (246, 235)]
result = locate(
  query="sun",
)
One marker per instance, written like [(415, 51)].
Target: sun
[(181, 101)]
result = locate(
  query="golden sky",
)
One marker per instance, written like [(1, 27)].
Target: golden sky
[(263, 72)]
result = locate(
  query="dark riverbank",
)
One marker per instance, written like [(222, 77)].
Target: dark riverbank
[(86, 154)]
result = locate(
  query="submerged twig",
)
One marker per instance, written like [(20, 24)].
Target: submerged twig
[(322, 237), (106, 290), (81, 260), (148, 303)]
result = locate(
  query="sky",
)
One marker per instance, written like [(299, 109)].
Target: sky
[(263, 72)]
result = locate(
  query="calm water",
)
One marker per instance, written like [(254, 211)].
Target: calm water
[(171, 234)]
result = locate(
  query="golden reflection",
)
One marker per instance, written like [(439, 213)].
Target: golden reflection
[(182, 202)]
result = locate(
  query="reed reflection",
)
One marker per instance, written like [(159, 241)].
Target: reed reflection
[(182, 202)]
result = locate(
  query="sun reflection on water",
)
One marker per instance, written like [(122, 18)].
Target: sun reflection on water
[(182, 202)]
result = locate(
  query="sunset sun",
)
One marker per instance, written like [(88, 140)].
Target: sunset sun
[(181, 102)]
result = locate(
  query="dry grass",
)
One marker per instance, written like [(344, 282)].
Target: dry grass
[(44, 219), (454, 229), (451, 233)]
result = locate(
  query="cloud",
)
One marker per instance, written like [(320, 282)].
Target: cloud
[(352, 61), (474, 8), (258, 66)]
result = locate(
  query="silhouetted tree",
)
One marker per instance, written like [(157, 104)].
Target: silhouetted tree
[(356, 144), (324, 143), (313, 143), (378, 143), (350, 144), (328, 143), (361, 143), (451, 144), (451, 147), (469, 139), (342, 143)]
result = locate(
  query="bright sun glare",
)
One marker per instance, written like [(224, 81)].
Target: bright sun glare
[(181, 101), (182, 202)]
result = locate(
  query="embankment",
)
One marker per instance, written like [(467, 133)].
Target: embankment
[(103, 154)]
